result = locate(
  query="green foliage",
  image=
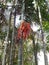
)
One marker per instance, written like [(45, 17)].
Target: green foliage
[(47, 39), (47, 47), (28, 53), (8, 0), (2, 35), (30, 10), (46, 26), (38, 47), (2, 5), (44, 12)]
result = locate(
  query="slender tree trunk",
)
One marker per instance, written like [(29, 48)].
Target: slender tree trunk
[(42, 33), (9, 38), (20, 51), (13, 41), (12, 51), (4, 55), (40, 19), (34, 45), (35, 51), (5, 47)]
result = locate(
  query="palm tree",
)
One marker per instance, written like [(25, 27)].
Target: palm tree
[(35, 50), (42, 33), (13, 41), (20, 51), (5, 47), (36, 5)]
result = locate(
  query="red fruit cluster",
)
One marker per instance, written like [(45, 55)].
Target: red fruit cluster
[(24, 30)]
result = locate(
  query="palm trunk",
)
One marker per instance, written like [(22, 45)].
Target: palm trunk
[(42, 33), (20, 51), (34, 45), (35, 51), (12, 51), (6, 43), (13, 42), (9, 37), (5, 48), (44, 47)]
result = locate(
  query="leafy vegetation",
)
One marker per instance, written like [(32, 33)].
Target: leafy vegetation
[(28, 48)]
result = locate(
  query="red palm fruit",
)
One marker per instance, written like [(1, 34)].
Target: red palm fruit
[(19, 33), (23, 25), (28, 26), (24, 30), (24, 35)]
